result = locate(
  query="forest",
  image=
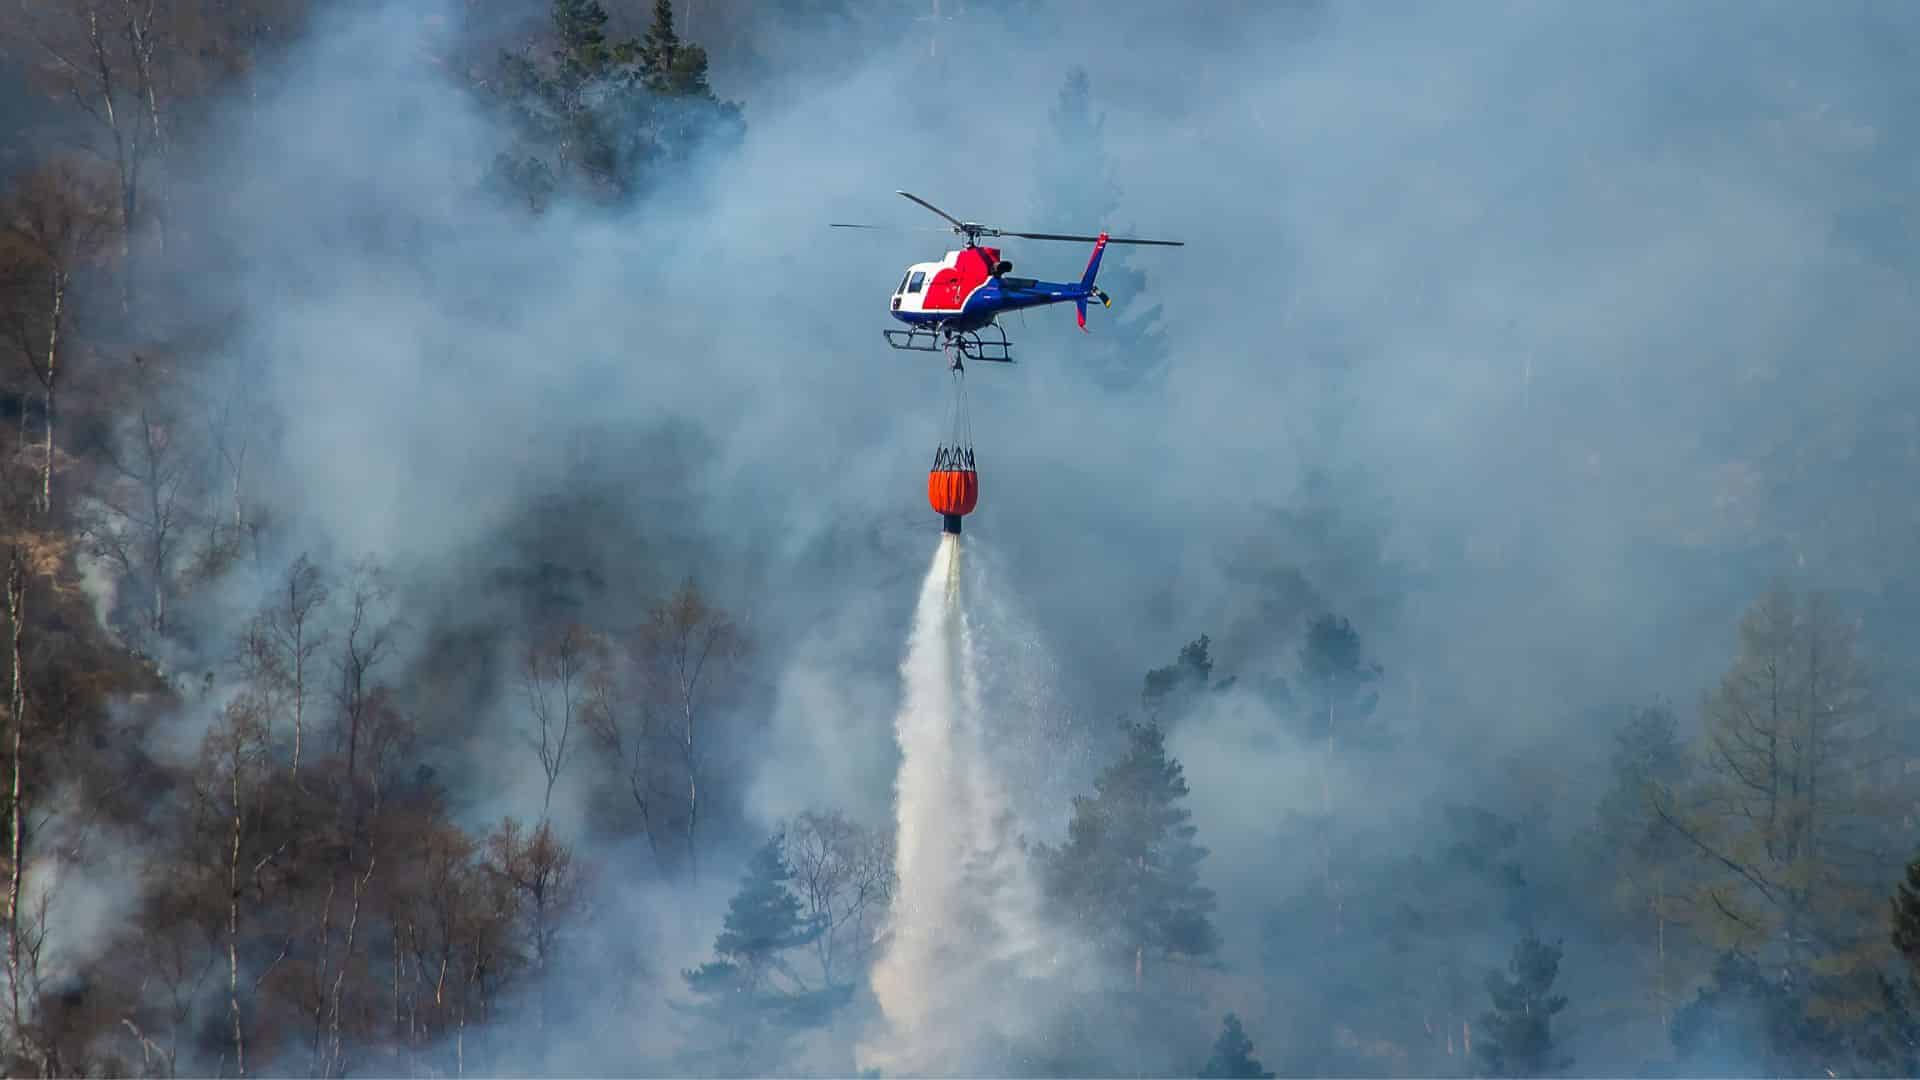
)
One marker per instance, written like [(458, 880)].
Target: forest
[(1453, 618)]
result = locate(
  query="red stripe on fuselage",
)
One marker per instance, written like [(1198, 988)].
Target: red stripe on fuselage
[(950, 287)]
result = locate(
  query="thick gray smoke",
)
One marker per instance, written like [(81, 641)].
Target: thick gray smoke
[(1534, 284)]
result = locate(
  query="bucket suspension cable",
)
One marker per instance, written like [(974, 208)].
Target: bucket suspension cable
[(959, 424), (953, 487)]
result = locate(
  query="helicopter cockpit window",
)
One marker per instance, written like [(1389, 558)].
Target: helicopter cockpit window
[(918, 279), (903, 284)]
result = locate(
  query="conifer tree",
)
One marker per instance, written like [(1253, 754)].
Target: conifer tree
[(1640, 863), (1901, 993), (751, 990), (600, 117), (1129, 874), (763, 918), (1906, 922), (1338, 680), (1792, 806), (580, 26), (683, 114), (1748, 1022), (1233, 1055), (1166, 688), (1519, 1029), (662, 39)]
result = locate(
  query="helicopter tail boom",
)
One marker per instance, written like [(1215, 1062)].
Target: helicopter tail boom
[(1086, 282)]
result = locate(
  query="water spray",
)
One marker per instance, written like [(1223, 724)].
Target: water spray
[(965, 930)]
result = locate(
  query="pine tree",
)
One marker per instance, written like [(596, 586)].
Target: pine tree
[(601, 118), (1748, 1022), (1519, 1029), (683, 115), (1129, 871), (1166, 688), (1906, 922), (661, 45), (1233, 1055), (751, 990), (1901, 994), (1338, 680), (1640, 863), (580, 26)]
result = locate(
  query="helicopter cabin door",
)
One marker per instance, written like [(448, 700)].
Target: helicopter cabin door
[(913, 288)]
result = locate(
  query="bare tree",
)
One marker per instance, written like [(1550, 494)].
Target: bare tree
[(367, 641), (16, 795), (106, 53), (626, 729), (233, 762), (281, 640), (334, 1063), (558, 675), (234, 413), (548, 885), (435, 919), (172, 947), (844, 876), (687, 650), (53, 225), (143, 502)]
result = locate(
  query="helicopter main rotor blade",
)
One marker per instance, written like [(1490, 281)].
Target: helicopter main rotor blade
[(1091, 239), (888, 228), (986, 230), (957, 223)]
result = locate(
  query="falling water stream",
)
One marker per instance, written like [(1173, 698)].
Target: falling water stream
[(965, 933)]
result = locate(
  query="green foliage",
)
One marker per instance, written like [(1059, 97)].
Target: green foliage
[(1637, 869), (1187, 675), (603, 119), (1649, 762), (1233, 1055), (750, 995), (674, 68), (1338, 680), (1906, 922), (1128, 874), (580, 26), (1900, 995), (763, 918), (1745, 1023), (1518, 1038)]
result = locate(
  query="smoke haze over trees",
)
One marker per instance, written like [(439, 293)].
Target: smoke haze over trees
[(1453, 617)]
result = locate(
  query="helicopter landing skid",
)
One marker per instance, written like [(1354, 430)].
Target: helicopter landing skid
[(957, 343)]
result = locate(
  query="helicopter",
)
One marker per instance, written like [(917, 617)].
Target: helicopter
[(952, 304)]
